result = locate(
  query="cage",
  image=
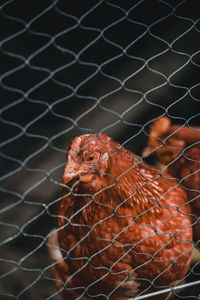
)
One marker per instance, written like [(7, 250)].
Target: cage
[(79, 67)]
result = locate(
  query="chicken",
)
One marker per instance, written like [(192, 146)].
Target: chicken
[(179, 148), (167, 141), (123, 229)]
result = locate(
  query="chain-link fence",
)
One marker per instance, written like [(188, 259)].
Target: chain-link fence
[(74, 67)]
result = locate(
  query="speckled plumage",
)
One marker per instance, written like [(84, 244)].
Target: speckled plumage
[(122, 229)]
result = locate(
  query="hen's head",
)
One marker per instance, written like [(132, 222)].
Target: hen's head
[(88, 157), (162, 143), (158, 130)]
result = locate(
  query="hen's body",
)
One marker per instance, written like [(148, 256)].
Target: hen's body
[(123, 230), (187, 169), (181, 153)]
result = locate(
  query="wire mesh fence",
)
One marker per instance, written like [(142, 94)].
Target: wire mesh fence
[(73, 68)]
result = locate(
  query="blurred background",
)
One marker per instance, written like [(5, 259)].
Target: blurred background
[(74, 67)]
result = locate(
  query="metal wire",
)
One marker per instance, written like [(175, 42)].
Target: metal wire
[(69, 69)]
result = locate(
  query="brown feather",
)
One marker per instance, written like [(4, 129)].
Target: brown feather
[(125, 231), (181, 153)]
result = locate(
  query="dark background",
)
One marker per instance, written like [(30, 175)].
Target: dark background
[(74, 67)]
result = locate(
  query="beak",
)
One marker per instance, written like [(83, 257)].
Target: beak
[(72, 170)]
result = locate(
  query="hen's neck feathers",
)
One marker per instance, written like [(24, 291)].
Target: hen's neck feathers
[(125, 183)]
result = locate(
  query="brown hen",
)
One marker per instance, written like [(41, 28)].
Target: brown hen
[(123, 229), (178, 148)]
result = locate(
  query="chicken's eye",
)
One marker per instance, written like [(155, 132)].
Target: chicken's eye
[(91, 158)]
